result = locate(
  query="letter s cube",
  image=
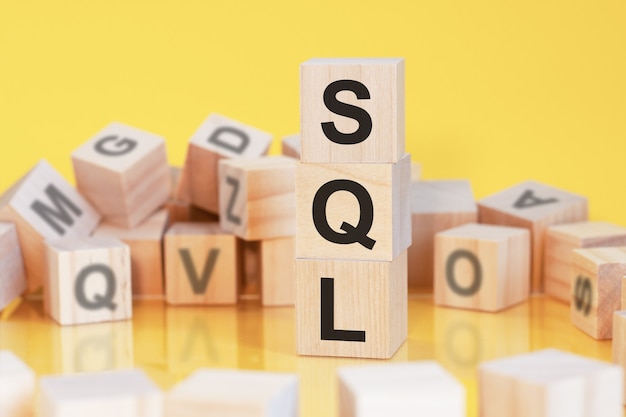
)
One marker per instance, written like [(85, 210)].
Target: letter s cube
[(352, 110), (596, 283), (89, 280)]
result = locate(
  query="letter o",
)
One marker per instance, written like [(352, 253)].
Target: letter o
[(451, 279)]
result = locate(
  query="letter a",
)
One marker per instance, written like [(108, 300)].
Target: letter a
[(528, 199)]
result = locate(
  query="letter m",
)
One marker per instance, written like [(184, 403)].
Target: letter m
[(58, 212)]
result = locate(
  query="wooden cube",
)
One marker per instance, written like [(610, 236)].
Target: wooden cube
[(182, 212), (351, 308), (435, 206), (179, 204), (126, 393), (482, 267), (17, 386), (562, 239), (249, 264), (12, 274), (352, 110), (353, 211), (146, 252), (42, 205), (123, 172), (291, 146), (94, 347), (218, 137), (89, 280), (200, 264), (234, 393), (179, 182), (534, 206), (549, 383), (257, 197), (175, 181), (401, 390), (278, 271), (596, 288), (619, 344)]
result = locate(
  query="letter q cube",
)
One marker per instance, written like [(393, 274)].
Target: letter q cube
[(353, 211), (482, 267), (89, 280)]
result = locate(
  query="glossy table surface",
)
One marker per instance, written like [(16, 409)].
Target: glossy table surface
[(171, 342)]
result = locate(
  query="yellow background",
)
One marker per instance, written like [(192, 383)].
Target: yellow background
[(497, 91)]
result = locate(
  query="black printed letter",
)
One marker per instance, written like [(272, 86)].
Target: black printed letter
[(48, 214), (328, 316), (199, 284), (451, 279), (348, 110), (353, 234)]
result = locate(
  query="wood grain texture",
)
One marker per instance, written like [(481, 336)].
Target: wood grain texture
[(257, 197), (500, 276), (421, 388), (43, 205), (146, 252), (436, 205), (89, 280), (250, 274), (549, 383), (369, 296), (388, 188), (291, 146), (12, 273), (619, 344), (17, 386), (179, 180), (234, 393), (596, 287), (534, 206), (182, 212), (124, 393), (218, 137), (384, 81), (200, 264), (278, 271), (122, 171), (561, 240)]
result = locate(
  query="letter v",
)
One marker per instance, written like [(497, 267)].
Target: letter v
[(199, 285)]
